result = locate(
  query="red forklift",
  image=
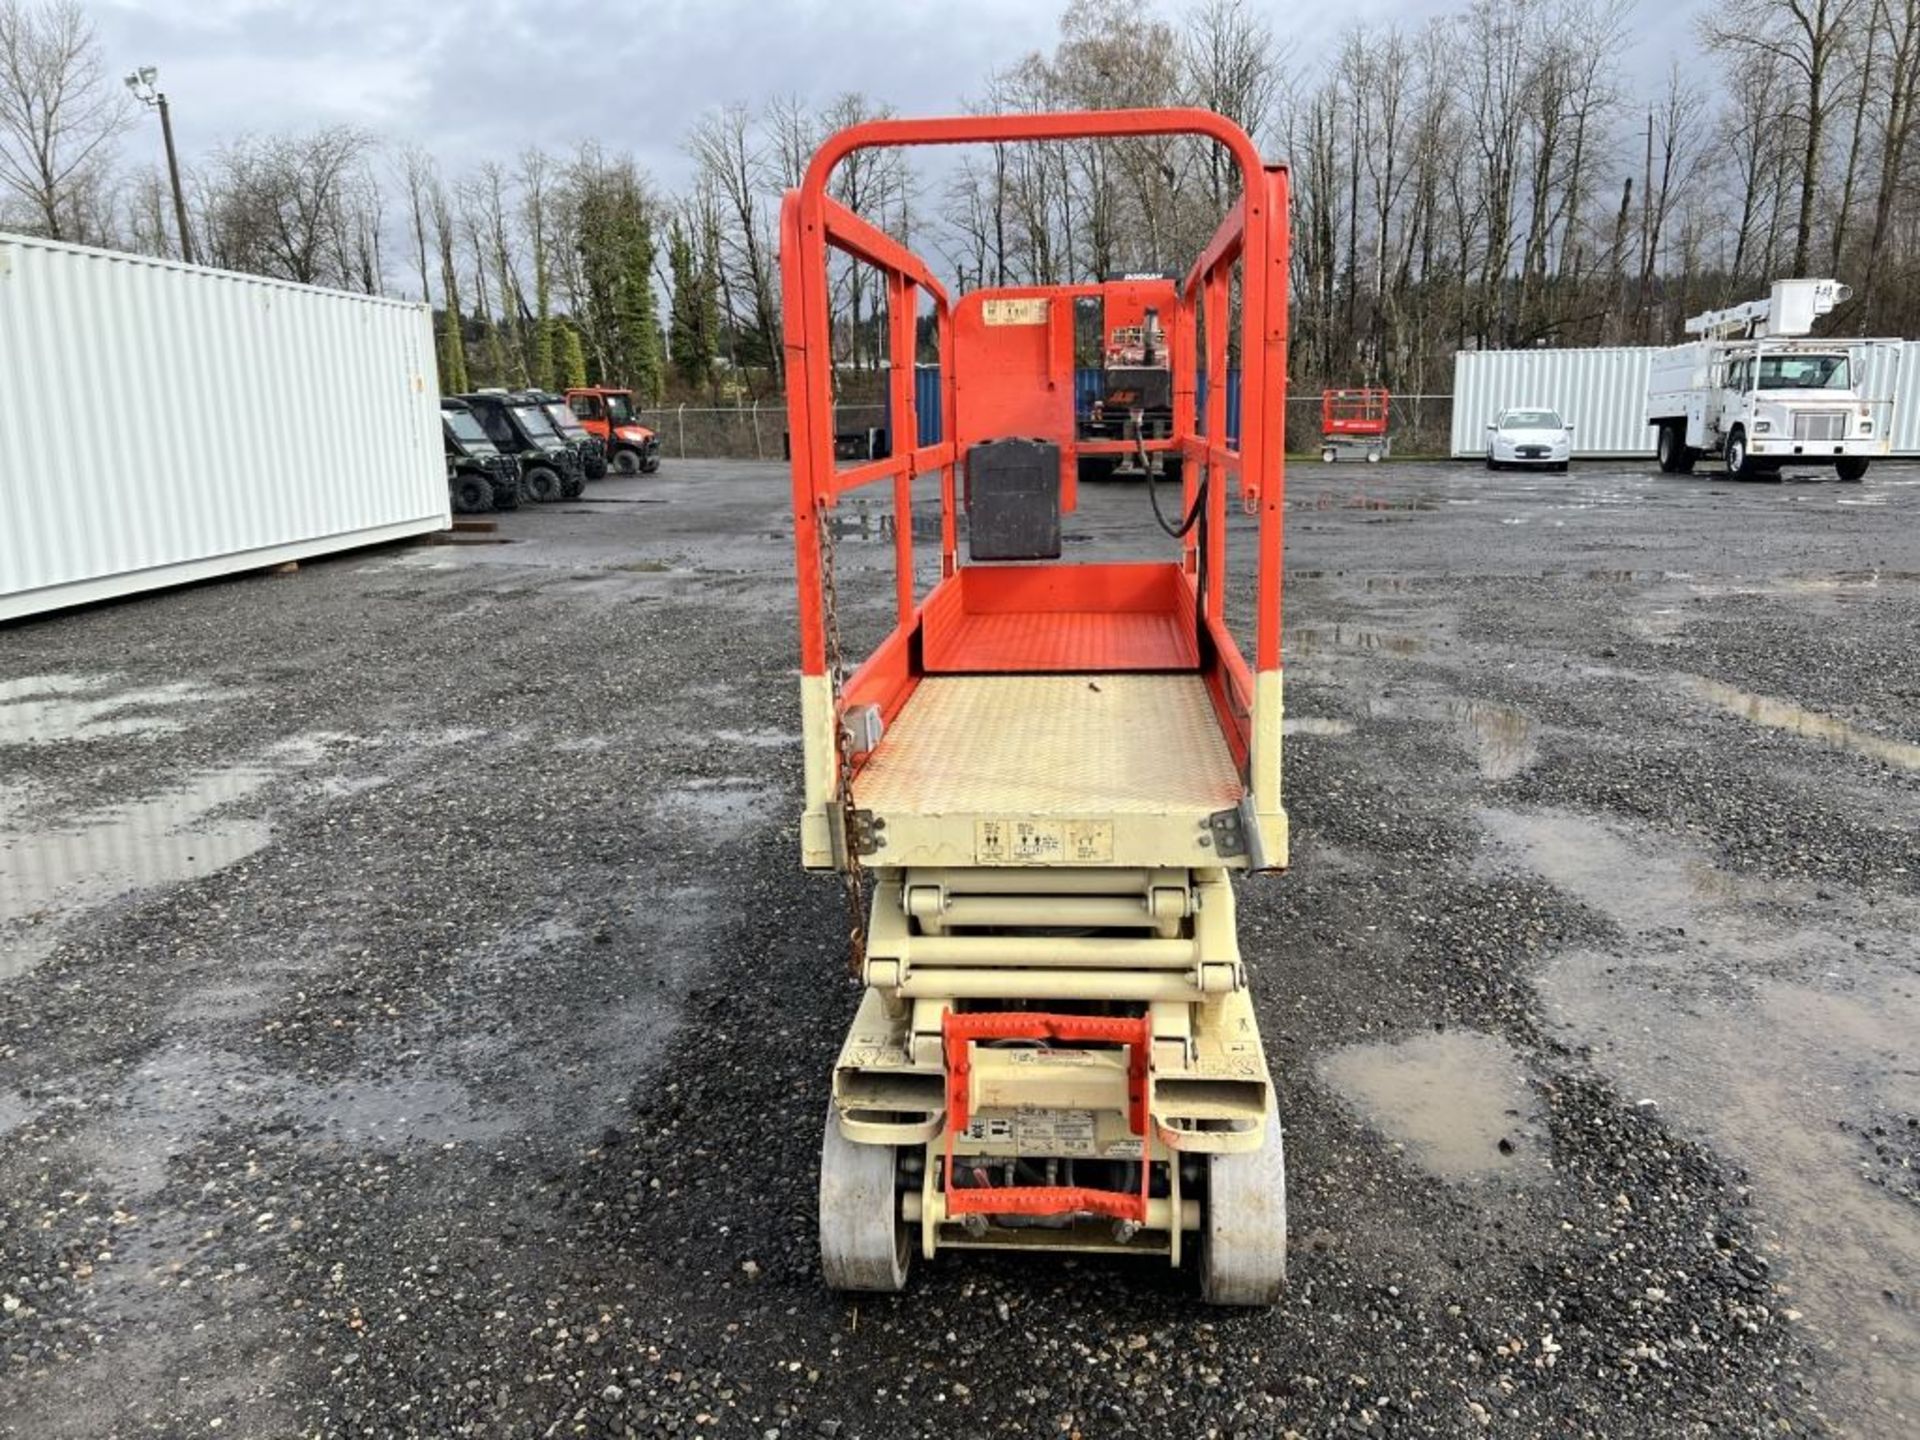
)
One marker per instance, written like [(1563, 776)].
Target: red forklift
[(1037, 787), (613, 416)]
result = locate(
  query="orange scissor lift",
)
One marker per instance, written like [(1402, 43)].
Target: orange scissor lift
[(1045, 773), (1354, 422)]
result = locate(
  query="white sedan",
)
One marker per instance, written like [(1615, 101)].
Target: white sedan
[(1529, 437)]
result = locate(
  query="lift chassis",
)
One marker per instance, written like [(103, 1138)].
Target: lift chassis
[(1038, 785)]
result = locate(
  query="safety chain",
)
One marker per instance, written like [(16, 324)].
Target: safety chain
[(853, 875)]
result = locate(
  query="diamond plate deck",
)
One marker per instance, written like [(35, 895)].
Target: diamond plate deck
[(1052, 745)]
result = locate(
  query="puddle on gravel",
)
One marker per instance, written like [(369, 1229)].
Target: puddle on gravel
[(48, 876), (392, 1109), (51, 875), (1809, 724), (1502, 737), (724, 809), (1457, 1101), (759, 739), (1314, 725), (1771, 1021), (48, 709), (1314, 639)]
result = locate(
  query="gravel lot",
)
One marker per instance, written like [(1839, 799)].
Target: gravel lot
[(415, 1022)]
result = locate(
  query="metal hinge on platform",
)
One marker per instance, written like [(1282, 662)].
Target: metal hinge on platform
[(869, 831), (1229, 832)]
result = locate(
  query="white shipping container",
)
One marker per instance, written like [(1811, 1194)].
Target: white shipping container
[(161, 423), (1603, 392)]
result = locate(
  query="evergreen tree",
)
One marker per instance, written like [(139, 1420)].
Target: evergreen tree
[(694, 313), (637, 310), (545, 361), (573, 358)]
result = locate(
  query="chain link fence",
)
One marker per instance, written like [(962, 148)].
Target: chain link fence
[(1420, 425)]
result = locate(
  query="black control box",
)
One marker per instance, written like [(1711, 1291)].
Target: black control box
[(1013, 500)]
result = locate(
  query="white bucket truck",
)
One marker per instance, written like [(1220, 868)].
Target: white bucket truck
[(1758, 391)]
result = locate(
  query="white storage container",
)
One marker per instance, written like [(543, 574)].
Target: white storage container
[(1603, 392), (161, 423)]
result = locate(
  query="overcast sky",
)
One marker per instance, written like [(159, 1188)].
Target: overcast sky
[(472, 78)]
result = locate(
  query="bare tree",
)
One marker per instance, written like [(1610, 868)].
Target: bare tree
[(727, 152), (1899, 22), (1808, 38), (279, 205), (60, 114)]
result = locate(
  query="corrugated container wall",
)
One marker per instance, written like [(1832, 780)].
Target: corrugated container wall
[(161, 423), (1602, 393)]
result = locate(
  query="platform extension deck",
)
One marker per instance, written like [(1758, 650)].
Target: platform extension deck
[(1074, 769)]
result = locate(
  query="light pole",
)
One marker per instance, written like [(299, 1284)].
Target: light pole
[(140, 82)]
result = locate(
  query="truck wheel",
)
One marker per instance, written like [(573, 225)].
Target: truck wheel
[(650, 465), (1851, 467), (572, 487), (1740, 464), (506, 496), (545, 483), (1676, 456), (626, 462), (472, 495)]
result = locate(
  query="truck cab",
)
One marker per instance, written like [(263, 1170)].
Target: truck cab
[(479, 476), (1760, 392), (613, 416), (519, 427)]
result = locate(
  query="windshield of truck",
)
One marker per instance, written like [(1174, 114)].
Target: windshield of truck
[(466, 429), (1804, 372), (565, 421), (1531, 420), (534, 421), (620, 409)]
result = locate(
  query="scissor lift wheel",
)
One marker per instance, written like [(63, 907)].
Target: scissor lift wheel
[(1243, 1237), (864, 1245)]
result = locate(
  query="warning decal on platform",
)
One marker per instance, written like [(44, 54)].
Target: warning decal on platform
[(1043, 842), (1014, 312)]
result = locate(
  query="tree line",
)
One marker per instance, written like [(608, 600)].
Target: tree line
[(1492, 177)]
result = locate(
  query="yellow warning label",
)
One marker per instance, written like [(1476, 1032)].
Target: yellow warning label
[(1043, 842), (1014, 312)]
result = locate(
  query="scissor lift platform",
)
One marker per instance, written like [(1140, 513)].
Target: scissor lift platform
[(1071, 769), (1037, 785)]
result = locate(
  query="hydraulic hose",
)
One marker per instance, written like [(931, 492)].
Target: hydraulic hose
[(1181, 531)]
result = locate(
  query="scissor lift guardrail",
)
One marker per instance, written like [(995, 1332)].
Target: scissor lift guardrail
[(1048, 771)]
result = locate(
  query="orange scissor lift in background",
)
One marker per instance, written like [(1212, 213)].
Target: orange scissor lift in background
[(1354, 422), (1037, 783)]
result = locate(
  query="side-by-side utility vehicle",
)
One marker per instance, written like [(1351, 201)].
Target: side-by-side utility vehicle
[(614, 416), (479, 476), (550, 466)]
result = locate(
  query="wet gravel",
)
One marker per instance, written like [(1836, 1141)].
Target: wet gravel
[(451, 1061)]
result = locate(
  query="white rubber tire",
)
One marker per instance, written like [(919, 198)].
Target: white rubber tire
[(1243, 1230), (864, 1245)]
